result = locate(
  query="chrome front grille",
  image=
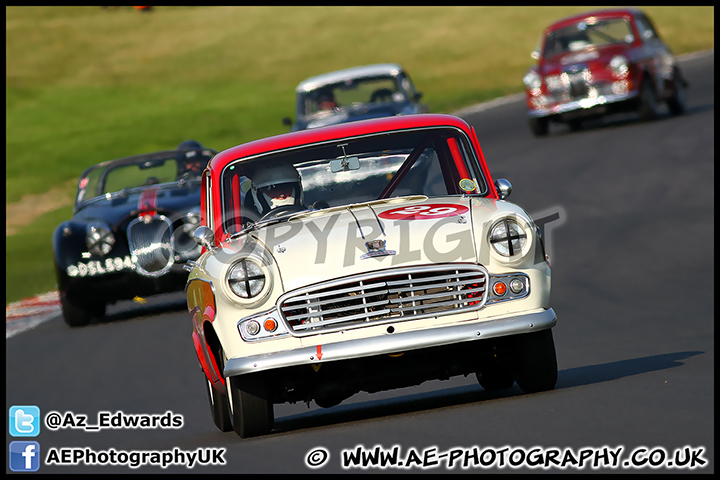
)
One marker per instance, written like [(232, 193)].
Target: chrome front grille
[(572, 84), (399, 294), (578, 86), (577, 78), (151, 244)]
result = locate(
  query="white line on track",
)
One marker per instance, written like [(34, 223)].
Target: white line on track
[(30, 312)]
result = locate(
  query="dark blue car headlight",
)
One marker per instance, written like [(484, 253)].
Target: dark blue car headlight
[(99, 239), (191, 221)]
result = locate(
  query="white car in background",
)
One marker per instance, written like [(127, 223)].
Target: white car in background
[(356, 93)]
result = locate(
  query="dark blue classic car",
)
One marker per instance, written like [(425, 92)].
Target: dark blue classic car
[(133, 211), (356, 93)]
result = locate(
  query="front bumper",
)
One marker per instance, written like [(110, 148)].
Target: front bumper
[(394, 343), (582, 104), (116, 286)]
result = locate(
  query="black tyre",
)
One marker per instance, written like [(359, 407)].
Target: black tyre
[(535, 363), (648, 109), (539, 126), (495, 371), (331, 400), (575, 125), (498, 377), (80, 315), (250, 413), (676, 103), (219, 408)]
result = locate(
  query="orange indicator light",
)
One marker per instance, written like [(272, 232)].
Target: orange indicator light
[(499, 288), (270, 324)]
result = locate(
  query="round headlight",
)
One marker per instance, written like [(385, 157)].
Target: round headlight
[(99, 239), (191, 221), (507, 237), (246, 278), (532, 80), (619, 65)]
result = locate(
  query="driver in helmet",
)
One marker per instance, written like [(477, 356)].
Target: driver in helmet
[(326, 100), (276, 187)]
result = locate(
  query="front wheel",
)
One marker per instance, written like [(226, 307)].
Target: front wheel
[(539, 126), (498, 377), (575, 125), (251, 414), (219, 408), (648, 102), (676, 103), (535, 363)]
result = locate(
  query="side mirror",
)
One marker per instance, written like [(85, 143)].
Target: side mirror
[(287, 121), (418, 96), (204, 236), (503, 187)]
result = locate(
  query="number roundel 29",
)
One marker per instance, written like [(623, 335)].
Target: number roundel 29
[(424, 212)]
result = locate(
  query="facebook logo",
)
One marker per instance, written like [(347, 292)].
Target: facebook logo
[(24, 456), (24, 421)]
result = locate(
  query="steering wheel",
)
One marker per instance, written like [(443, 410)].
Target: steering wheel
[(381, 95), (276, 212), (320, 204)]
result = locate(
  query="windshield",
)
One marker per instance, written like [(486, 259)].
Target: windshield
[(140, 171), (430, 162), (587, 33), (349, 93)]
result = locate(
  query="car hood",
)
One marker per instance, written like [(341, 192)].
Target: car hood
[(599, 55), (318, 245), (116, 210)]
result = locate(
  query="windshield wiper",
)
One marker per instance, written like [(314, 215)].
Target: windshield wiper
[(253, 226)]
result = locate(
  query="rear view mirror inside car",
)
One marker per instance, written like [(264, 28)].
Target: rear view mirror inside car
[(344, 164)]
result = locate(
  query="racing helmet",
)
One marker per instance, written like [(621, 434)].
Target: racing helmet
[(190, 145), (275, 187)]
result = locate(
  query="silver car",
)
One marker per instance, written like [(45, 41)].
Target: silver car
[(357, 93)]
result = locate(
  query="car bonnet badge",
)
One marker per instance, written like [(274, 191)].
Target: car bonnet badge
[(376, 248)]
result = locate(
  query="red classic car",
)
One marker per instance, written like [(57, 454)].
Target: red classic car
[(601, 62)]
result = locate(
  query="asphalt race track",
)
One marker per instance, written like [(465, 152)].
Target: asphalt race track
[(629, 220)]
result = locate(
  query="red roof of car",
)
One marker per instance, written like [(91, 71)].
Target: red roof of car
[(321, 134), (603, 13)]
